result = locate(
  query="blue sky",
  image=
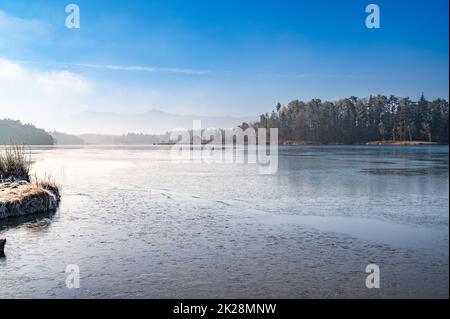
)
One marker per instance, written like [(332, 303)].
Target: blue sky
[(224, 57)]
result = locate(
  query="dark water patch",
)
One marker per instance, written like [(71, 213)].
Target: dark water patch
[(35, 221), (406, 171)]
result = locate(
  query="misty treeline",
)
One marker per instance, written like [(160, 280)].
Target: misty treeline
[(14, 132), (358, 120), (125, 139), (347, 121)]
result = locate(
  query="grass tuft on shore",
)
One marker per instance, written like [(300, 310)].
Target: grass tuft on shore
[(48, 183), (21, 194), (14, 163)]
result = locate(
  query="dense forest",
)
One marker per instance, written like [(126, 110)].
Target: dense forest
[(359, 120), (14, 132)]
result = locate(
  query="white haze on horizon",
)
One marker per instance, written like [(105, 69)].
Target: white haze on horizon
[(69, 102)]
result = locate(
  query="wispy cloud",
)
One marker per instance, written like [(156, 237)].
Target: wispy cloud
[(147, 69), (15, 31), (50, 97), (123, 68), (333, 76)]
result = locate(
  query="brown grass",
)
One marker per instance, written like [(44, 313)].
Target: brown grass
[(17, 192), (23, 198)]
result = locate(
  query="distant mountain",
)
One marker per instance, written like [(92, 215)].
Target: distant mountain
[(14, 132), (152, 122)]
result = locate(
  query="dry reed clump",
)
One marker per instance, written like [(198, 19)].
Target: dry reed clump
[(14, 164), (49, 184)]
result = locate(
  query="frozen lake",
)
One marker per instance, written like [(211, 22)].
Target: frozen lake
[(139, 225)]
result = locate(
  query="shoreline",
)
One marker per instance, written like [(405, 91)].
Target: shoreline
[(371, 143), (288, 143), (403, 143)]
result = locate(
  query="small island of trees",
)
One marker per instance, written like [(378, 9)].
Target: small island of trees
[(359, 120)]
